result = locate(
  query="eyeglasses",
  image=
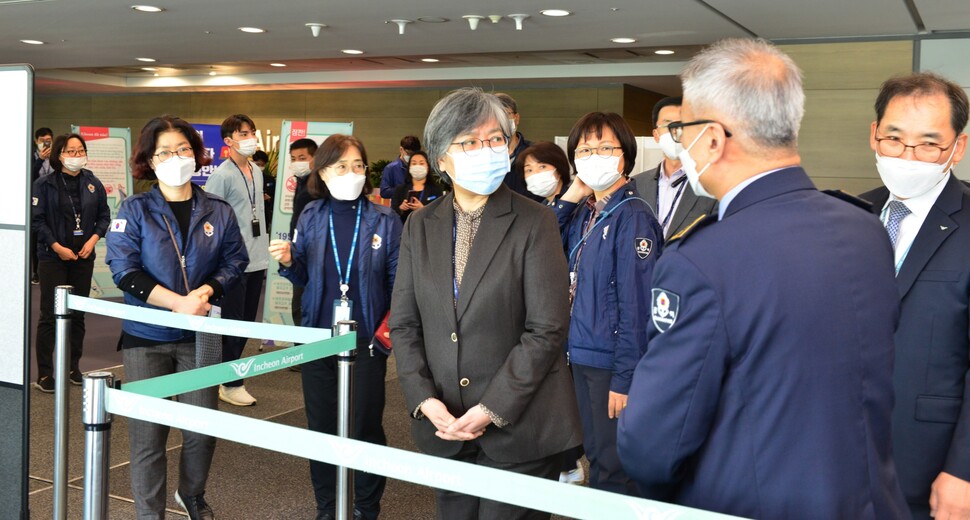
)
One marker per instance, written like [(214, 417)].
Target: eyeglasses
[(342, 168), (186, 152), (74, 153), (473, 146), (677, 129), (926, 152), (586, 152)]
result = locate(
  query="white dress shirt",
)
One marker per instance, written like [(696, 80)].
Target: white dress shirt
[(668, 196), (910, 225)]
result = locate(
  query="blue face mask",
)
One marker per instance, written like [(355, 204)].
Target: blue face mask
[(483, 172)]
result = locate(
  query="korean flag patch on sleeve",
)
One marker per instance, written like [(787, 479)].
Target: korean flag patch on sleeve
[(664, 309), (118, 225)]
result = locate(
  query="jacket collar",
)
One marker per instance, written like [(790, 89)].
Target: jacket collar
[(785, 180)]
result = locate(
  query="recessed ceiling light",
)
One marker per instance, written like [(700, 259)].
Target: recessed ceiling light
[(623, 40), (352, 51), (253, 30), (147, 8), (433, 19), (430, 60), (212, 73), (277, 64), (155, 74), (555, 12), (146, 60), (663, 52), (149, 69), (32, 42)]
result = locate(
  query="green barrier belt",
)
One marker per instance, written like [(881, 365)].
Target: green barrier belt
[(196, 379), (503, 486), (245, 329)]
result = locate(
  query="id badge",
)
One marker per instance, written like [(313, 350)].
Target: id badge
[(342, 310), (215, 311), (255, 228), (79, 232)]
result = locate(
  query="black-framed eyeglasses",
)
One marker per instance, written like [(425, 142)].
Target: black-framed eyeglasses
[(472, 146), (585, 152), (677, 129), (74, 153), (926, 152), (186, 152)]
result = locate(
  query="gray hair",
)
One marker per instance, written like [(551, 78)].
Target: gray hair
[(460, 112), (753, 84)]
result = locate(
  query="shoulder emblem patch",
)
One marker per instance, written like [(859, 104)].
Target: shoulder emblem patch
[(34, 201), (208, 229), (664, 309), (376, 242), (295, 231), (118, 225), (91, 188), (643, 246)]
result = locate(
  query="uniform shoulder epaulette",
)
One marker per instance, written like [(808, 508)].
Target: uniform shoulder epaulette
[(851, 199), (698, 223)]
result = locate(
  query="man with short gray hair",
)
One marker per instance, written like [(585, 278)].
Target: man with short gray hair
[(766, 388)]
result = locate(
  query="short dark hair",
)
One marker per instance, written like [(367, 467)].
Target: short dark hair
[(233, 123), (304, 144), (592, 124), (260, 155), (508, 102), (544, 152), (922, 84), (672, 101), (407, 173), (144, 150), (58, 146), (410, 143), (43, 131), (329, 153)]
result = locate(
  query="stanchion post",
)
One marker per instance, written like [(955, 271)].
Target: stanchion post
[(97, 444), (62, 349), (345, 413)]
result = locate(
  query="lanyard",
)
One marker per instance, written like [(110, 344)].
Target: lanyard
[(77, 214), (454, 270), (680, 190), (250, 194), (345, 282)]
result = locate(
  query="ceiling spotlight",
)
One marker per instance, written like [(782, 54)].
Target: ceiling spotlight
[(401, 23), (352, 51), (147, 8), (315, 28), (32, 42), (252, 30), (212, 73), (155, 74), (495, 17), (555, 12), (149, 69), (518, 20), (623, 40), (277, 64), (433, 19), (430, 60), (146, 60), (473, 20), (663, 52)]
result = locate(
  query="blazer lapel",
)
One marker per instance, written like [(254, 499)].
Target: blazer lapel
[(438, 240), (496, 220), (935, 229), (687, 201)]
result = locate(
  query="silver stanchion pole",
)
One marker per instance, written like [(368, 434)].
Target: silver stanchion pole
[(97, 444), (62, 349), (345, 418)]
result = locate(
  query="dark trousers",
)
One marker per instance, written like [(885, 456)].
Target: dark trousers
[(241, 303), (53, 273), (33, 254), (456, 506), (320, 398), (296, 306), (599, 431)]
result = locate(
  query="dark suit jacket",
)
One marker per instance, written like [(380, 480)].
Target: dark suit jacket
[(931, 421), (691, 206), (770, 393), (506, 339)]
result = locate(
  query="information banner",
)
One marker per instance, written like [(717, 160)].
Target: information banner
[(279, 291), (108, 153), (218, 151)]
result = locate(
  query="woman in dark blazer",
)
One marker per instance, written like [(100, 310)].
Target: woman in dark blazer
[(480, 313), (417, 190)]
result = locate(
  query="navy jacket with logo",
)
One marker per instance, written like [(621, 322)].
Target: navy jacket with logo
[(611, 308), (377, 248), (138, 240), (49, 222)]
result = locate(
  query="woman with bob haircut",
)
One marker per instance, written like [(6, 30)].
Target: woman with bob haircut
[(480, 313), (612, 241), (417, 190), (69, 214), (545, 168), (174, 248), (344, 252)]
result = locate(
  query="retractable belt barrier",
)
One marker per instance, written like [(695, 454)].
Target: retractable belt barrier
[(145, 400)]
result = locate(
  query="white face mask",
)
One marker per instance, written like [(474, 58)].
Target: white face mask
[(175, 171), (690, 168), (482, 173), (247, 147), (75, 164), (908, 179), (300, 168), (598, 172), (670, 149), (418, 172), (345, 187), (406, 158), (542, 184)]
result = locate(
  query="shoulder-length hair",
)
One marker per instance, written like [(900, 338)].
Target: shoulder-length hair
[(144, 150), (329, 153), (57, 148), (592, 124), (544, 152)]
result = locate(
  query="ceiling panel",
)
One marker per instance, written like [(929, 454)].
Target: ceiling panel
[(820, 18), (944, 15)]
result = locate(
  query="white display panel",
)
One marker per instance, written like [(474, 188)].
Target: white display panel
[(15, 138)]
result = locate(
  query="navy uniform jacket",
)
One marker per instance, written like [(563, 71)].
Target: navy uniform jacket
[(769, 394), (931, 421)]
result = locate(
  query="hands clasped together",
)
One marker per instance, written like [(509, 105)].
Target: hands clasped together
[(465, 428)]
